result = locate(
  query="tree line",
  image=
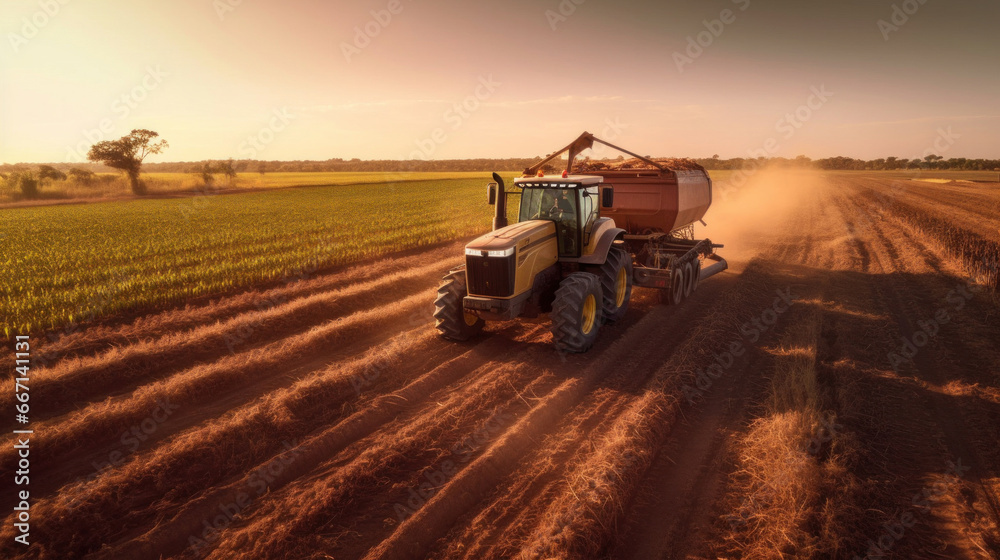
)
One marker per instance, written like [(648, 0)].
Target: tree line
[(841, 163), (128, 153), (228, 167)]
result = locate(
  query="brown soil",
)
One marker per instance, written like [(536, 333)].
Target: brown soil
[(331, 421)]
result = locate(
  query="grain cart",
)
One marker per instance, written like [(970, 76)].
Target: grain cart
[(582, 240)]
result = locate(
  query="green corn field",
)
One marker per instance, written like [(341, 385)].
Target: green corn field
[(70, 263)]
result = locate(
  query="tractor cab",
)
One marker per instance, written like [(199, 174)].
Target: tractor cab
[(572, 202)]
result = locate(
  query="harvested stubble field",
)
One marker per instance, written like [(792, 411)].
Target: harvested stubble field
[(778, 412)]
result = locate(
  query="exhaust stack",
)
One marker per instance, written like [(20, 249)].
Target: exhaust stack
[(500, 218)]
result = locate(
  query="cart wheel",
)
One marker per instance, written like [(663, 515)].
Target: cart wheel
[(689, 279), (696, 279), (675, 293)]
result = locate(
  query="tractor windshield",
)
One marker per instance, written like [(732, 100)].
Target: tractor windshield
[(558, 205)]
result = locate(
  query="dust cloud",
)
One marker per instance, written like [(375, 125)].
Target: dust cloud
[(747, 213)]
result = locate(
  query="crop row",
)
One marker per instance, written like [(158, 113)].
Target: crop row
[(979, 256)]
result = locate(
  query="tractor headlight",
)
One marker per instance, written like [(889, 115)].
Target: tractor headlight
[(481, 253)]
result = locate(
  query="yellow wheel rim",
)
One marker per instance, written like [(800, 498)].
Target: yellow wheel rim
[(621, 284), (470, 319), (589, 314)]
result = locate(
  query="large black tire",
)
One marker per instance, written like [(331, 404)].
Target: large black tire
[(689, 279), (697, 276), (616, 283), (449, 315), (674, 294), (576, 312)]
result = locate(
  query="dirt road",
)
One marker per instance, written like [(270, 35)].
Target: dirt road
[(835, 394)]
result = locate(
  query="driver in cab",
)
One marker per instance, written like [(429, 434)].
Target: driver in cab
[(564, 213), (562, 208)]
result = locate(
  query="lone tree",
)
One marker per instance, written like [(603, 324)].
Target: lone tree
[(228, 170), (208, 173), (127, 154)]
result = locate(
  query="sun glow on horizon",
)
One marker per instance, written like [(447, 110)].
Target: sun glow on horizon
[(390, 79)]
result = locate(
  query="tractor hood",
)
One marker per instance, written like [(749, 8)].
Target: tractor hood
[(504, 241)]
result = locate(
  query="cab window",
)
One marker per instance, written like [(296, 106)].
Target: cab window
[(561, 206)]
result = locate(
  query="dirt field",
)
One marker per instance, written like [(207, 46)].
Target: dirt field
[(835, 394)]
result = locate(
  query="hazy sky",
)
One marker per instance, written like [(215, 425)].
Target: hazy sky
[(396, 79)]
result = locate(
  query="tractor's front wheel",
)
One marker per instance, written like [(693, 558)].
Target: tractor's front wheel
[(577, 313), (450, 317), (616, 283)]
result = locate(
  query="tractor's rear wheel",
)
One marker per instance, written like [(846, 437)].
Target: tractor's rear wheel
[(674, 294), (450, 317), (577, 313), (616, 283)]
